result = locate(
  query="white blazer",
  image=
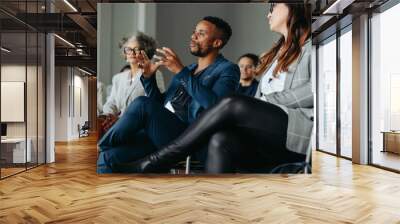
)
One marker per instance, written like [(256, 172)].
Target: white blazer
[(124, 90)]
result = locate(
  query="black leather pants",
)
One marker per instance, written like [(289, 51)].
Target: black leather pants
[(229, 127), (244, 151)]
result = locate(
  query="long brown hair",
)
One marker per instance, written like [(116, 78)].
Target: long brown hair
[(299, 30)]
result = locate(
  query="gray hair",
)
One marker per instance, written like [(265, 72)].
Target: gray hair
[(146, 43)]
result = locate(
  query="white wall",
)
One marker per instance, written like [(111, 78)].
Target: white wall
[(67, 114), (114, 22), (61, 103), (248, 21), (250, 32), (255, 35), (14, 72), (33, 126)]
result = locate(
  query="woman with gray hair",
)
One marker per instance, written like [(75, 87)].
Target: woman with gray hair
[(126, 86)]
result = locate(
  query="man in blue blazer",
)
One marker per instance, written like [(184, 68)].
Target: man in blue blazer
[(154, 120)]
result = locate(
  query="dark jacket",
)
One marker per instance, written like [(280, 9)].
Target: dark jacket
[(249, 90), (219, 79)]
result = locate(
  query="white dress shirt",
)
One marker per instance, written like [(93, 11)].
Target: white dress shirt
[(270, 84)]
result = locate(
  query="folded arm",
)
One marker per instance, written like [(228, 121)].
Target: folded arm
[(298, 97)]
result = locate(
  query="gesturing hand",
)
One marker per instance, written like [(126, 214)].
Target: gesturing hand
[(170, 60), (146, 65)]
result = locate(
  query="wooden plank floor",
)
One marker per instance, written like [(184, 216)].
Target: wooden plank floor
[(70, 191)]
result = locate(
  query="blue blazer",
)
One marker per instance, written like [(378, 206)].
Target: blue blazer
[(219, 79)]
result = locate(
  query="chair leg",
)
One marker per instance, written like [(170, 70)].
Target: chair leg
[(187, 170)]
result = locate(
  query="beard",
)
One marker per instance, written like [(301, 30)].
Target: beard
[(199, 51)]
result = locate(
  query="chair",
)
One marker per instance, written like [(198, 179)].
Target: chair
[(299, 167), (84, 130), (188, 166)]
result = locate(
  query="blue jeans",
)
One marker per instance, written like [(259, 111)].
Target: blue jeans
[(145, 127)]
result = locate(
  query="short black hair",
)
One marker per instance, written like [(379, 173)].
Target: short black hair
[(222, 26), (253, 57)]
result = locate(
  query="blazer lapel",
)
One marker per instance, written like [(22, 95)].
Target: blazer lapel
[(290, 76), (293, 67)]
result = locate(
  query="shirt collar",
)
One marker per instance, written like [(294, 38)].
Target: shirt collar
[(217, 60)]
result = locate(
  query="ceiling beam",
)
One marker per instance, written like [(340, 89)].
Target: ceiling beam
[(83, 61), (84, 24)]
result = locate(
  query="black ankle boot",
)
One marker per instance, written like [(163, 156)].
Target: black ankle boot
[(156, 162), (139, 166)]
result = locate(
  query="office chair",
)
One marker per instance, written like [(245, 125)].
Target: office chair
[(84, 130), (299, 167), (189, 166)]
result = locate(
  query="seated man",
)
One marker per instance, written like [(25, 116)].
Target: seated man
[(248, 84), (154, 120)]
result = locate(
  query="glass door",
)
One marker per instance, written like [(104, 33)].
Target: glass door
[(326, 100), (22, 76), (385, 89), (345, 92)]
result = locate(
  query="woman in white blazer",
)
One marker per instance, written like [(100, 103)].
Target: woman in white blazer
[(126, 85)]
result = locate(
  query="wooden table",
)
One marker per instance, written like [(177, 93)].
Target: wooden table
[(391, 141)]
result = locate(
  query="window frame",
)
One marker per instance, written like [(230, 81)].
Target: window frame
[(333, 37)]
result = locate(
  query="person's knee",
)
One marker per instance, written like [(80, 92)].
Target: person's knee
[(228, 100), (219, 156), (140, 104), (233, 104), (137, 103)]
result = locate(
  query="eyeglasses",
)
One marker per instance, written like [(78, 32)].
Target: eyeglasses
[(128, 50), (271, 8)]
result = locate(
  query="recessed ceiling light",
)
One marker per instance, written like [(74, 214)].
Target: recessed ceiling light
[(84, 71), (5, 50), (70, 5), (64, 40), (338, 6)]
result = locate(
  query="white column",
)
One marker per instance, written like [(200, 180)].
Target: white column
[(50, 101), (360, 90), (146, 18)]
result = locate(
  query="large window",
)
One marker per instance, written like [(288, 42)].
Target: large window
[(327, 96), (385, 88), (346, 93), (335, 94)]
